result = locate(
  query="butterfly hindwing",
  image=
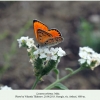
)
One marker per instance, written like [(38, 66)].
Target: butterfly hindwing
[(43, 36), (47, 39), (53, 41)]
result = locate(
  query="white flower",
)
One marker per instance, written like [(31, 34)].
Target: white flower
[(46, 50), (90, 57), (51, 56), (22, 39), (5, 88), (36, 52), (54, 50), (54, 57), (87, 49), (61, 52), (82, 61), (43, 55), (49, 53), (30, 43), (83, 54), (42, 50), (29, 50)]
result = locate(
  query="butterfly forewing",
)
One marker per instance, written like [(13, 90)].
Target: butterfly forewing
[(54, 32), (38, 25)]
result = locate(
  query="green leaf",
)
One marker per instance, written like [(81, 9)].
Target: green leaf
[(61, 86), (71, 70), (56, 71), (38, 66)]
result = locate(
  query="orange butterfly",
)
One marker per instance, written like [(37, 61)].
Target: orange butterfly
[(44, 36)]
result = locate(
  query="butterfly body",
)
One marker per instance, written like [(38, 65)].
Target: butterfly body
[(44, 36)]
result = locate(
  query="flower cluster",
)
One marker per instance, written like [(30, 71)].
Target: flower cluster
[(26, 41), (5, 88), (42, 52), (89, 57), (44, 59), (49, 53)]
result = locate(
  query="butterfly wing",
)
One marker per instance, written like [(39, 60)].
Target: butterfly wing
[(47, 39), (38, 25), (54, 33), (44, 36), (56, 37), (53, 41)]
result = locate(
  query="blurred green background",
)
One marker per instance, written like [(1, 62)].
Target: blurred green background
[(79, 24)]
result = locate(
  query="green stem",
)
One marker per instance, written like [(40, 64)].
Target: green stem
[(37, 80), (57, 76), (65, 77)]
